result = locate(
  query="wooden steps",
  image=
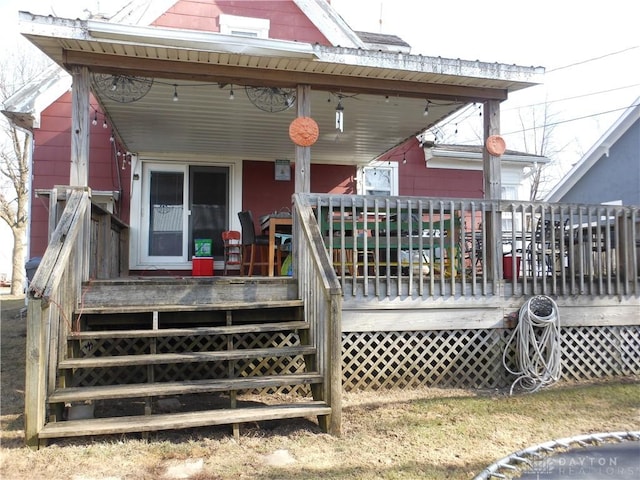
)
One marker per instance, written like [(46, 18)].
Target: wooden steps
[(148, 423), (131, 356)]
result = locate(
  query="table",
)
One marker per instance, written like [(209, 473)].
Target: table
[(271, 225), (377, 235)]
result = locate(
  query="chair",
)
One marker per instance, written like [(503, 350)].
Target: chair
[(232, 245), (253, 245)]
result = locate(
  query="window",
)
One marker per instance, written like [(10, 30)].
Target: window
[(379, 179), (246, 26), (510, 192)]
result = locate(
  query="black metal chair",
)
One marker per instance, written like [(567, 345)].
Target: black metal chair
[(255, 247)]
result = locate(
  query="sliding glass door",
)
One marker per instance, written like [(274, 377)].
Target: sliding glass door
[(182, 204)]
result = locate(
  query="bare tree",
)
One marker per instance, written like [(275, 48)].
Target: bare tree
[(537, 127), (20, 66)]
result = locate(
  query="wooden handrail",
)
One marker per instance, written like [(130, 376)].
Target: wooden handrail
[(322, 294), (53, 295), (61, 246)]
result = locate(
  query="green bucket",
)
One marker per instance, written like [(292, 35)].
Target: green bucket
[(203, 247)]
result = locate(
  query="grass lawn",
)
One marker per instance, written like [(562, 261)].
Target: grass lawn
[(416, 434)]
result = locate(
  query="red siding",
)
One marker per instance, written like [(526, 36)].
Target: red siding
[(262, 194), (51, 164), (416, 178), (287, 21)]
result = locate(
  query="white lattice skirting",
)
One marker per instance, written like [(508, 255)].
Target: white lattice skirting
[(473, 358), (375, 360)]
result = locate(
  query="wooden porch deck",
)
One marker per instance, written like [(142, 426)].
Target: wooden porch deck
[(108, 336)]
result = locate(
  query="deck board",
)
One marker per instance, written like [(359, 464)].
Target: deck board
[(190, 357), (137, 390), (147, 423), (185, 332), (195, 307)]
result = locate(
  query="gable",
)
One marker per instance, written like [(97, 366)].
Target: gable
[(619, 147), (285, 19), (614, 176)]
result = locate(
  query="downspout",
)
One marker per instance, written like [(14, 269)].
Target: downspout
[(26, 240)]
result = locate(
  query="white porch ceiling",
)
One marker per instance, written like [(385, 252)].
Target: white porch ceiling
[(204, 121)]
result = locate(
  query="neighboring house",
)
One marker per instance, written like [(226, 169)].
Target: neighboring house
[(610, 171), (224, 172)]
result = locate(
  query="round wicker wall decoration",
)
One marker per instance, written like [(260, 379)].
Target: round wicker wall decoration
[(495, 145), (304, 131)]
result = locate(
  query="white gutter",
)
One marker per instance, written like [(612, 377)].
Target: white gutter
[(435, 152), (95, 31), (205, 41)]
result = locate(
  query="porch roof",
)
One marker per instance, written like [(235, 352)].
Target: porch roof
[(383, 93)]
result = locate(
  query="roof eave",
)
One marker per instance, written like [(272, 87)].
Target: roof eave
[(513, 76)]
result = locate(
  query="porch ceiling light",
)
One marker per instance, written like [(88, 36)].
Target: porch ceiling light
[(340, 116)]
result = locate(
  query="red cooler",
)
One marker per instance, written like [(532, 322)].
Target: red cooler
[(202, 266), (507, 266)]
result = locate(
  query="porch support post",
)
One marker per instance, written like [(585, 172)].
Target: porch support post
[(492, 190), (80, 127), (303, 154)]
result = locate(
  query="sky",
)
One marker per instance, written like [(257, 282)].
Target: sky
[(590, 51)]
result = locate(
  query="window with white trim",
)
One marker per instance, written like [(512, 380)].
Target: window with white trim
[(510, 192), (245, 26), (379, 179)]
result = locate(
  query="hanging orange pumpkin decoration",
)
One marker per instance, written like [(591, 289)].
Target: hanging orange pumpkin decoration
[(495, 145), (304, 131)]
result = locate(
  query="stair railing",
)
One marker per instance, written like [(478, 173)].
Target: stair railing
[(53, 295), (322, 294)]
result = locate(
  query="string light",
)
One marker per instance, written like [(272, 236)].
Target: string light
[(94, 120), (426, 109), (231, 95), (175, 92)]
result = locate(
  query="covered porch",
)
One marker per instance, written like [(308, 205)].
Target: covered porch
[(190, 109)]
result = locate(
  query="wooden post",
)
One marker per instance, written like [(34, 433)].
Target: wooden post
[(334, 369), (303, 154), (53, 212), (80, 127), (35, 391), (492, 191)]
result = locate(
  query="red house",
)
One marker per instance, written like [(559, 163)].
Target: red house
[(218, 144)]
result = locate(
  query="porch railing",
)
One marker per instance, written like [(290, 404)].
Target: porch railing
[(80, 235), (389, 247), (322, 295)]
